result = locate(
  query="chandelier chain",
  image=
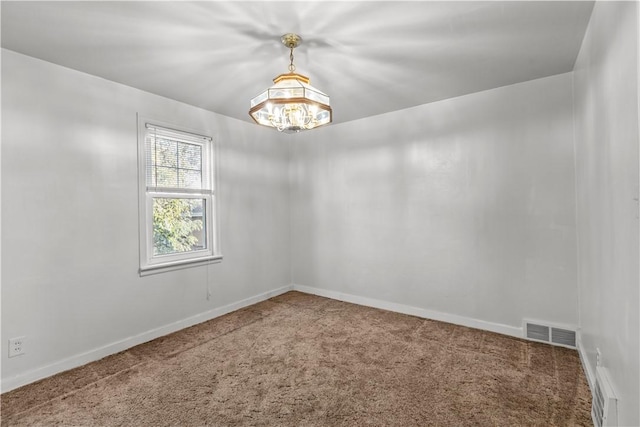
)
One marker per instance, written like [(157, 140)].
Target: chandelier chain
[(292, 67)]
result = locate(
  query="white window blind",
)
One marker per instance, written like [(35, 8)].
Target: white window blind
[(174, 160)]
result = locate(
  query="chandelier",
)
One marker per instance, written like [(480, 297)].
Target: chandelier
[(291, 104)]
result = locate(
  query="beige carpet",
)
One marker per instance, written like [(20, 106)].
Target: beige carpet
[(302, 360)]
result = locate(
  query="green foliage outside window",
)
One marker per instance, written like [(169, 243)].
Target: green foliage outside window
[(174, 225)]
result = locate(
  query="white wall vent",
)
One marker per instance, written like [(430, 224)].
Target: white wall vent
[(604, 406), (537, 332), (564, 337), (550, 334)]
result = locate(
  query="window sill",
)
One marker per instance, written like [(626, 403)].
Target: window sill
[(148, 270)]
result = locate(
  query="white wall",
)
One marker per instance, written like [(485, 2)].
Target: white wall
[(464, 206), (70, 278), (606, 114)]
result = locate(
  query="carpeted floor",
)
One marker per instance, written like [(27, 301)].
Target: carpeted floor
[(302, 360)]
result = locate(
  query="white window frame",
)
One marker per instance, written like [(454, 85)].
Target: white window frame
[(149, 263)]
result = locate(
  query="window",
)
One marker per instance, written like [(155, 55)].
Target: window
[(177, 197)]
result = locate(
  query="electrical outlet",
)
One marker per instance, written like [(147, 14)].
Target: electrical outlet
[(598, 357), (16, 346)]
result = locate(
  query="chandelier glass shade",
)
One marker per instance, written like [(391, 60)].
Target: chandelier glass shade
[(291, 104)]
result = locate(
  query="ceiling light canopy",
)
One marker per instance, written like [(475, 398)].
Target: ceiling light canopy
[(291, 104)]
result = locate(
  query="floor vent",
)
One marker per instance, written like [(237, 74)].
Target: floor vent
[(604, 403), (550, 334)]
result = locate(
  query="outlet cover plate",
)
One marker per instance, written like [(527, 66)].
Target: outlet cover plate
[(16, 346)]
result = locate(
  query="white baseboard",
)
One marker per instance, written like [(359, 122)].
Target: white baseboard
[(98, 353), (591, 376), (414, 311)]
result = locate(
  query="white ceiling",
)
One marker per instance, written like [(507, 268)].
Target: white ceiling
[(370, 57)]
